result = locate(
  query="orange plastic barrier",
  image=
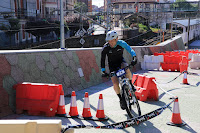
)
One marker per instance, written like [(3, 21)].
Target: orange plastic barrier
[(175, 60), (171, 63), (37, 98), (184, 64), (146, 88)]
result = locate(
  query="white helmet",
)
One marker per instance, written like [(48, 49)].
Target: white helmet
[(111, 35)]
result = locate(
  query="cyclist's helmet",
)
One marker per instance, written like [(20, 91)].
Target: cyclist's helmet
[(111, 35)]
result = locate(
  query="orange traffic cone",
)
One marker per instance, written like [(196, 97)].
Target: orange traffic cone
[(73, 106), (185, 78), (176, 117), (61, 106), (86, 107), (100, 109)]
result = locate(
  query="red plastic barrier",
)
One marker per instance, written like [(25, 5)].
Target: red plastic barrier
[(134, 79), (173, 60), (167, 59), (156, 54), (37, 98), (151, 87), (146, 88), (171, 63), (165, 66), (141, 94), (140, 80), (184, 64)]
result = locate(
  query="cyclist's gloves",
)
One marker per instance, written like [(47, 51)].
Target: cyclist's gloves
[(104, 74), (134, 61)]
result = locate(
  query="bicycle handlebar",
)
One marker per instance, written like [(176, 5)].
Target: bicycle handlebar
[(114, 72)]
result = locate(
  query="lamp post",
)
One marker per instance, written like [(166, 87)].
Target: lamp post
[(62, 39)]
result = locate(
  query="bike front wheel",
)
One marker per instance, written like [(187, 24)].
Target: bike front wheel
[(132, 104)]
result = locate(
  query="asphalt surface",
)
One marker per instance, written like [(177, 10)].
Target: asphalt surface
[(189, 105)]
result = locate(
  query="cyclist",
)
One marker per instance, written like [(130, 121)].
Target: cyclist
[(113, 49)]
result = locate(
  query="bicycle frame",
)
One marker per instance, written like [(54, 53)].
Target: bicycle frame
[(126, 87), (121, 74)]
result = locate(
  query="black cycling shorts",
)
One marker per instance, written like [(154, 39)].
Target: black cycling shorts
[(115, 67)]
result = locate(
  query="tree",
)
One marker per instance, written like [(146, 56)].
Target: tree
[(39, 28), (12, 28), (80, 5), (181, 5), (57, 30)]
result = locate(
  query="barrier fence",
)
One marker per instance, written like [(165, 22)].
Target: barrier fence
[(123, 124), (172, 60)]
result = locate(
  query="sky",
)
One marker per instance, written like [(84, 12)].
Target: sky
[(98, 3)]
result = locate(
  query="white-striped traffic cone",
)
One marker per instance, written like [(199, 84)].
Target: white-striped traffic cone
[(185, 78), (73, 106), (176, 116), (86, 107), (100, 109), (61, 106)]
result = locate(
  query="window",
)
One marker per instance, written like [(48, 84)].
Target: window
[(124, 6), (130, 6), (116, 6), (147, 5)]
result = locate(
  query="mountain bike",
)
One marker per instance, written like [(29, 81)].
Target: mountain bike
[(127, 93)]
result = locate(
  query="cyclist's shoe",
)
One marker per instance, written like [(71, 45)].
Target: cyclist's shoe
[(122, 104)]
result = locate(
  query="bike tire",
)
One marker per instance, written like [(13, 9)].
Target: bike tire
[(133, 110)]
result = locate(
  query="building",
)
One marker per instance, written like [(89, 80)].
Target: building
[(70, 5), (182, 25), (23, 10), (50, 9), (146, 7)]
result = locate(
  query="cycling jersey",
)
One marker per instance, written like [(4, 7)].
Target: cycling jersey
[(115, 55)]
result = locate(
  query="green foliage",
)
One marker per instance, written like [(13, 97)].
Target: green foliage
[(12, 28), (38, 28), (43, 27), (183, 5), (127, 22), (80, 5), (142, 28), (101, 17), (154, 29)]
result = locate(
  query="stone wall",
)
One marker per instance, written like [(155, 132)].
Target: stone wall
[(75, 69)]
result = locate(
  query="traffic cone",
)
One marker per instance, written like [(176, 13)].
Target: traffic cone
[(73, 106), (86, 107), (100, 109), (185, 78), (61, 107), (176, 117)]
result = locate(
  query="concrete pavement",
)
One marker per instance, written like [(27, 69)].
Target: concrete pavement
[(188, 104)]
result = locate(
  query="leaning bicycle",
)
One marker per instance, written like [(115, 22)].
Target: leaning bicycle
[(127, 93)]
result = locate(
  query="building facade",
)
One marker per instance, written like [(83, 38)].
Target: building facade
[(146, 8), (23, 10)]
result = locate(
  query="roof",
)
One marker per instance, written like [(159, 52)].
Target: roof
[(184, 22)]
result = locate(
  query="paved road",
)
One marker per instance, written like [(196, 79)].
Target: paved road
[(189, 97)]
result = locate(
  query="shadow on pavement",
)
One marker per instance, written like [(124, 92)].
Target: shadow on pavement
[(146, 126), (188, 128)]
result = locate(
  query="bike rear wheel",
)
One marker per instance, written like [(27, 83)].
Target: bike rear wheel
[(132, 104)]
